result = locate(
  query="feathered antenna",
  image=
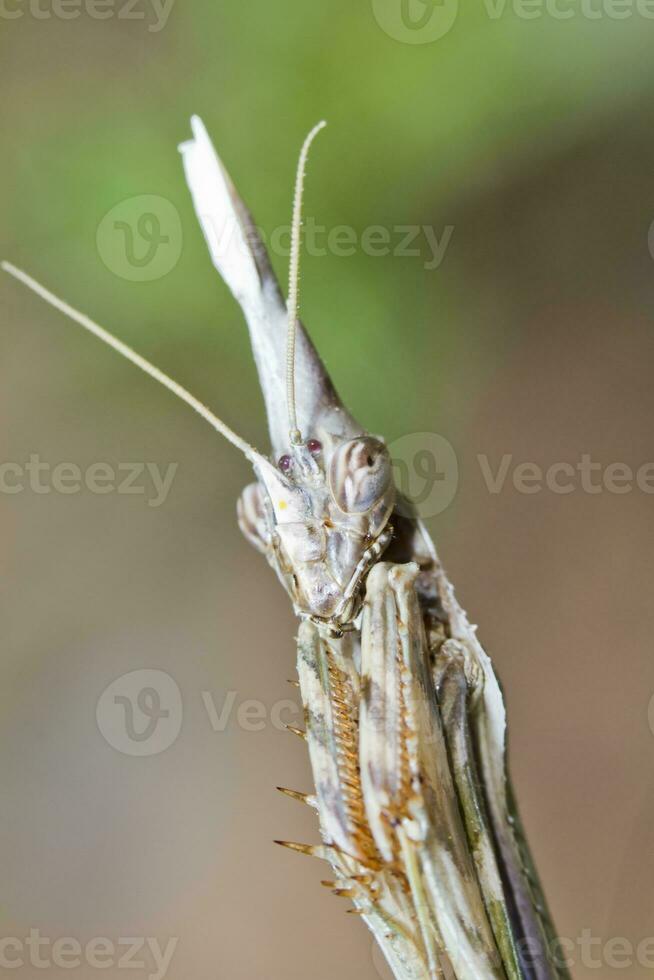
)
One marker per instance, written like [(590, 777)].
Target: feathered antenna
[(294, 286), (131, 355)]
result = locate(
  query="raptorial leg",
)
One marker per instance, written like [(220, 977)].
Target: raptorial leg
[(410, 797), (329, 685)]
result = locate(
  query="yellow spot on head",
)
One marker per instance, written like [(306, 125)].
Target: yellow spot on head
[(282, 505)]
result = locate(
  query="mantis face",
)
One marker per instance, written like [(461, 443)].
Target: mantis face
[(321, 506), (321, 516)]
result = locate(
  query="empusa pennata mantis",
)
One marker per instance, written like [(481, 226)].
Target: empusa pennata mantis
[(405, 721)]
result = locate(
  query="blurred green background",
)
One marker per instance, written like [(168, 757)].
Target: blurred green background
[(531, 138)]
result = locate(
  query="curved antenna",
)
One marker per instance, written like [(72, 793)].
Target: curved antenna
[(131, 355), (293, 285)]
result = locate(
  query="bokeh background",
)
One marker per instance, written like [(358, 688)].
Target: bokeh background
[(532, 138)]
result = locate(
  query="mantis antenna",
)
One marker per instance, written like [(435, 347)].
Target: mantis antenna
[(293, 285), (131, 355)]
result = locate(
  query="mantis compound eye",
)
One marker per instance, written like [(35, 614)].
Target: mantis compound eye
[(359, 474)]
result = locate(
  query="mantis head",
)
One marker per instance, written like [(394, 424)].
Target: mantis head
[(321, 504)]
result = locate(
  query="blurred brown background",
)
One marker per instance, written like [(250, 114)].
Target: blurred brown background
[(533, 337)]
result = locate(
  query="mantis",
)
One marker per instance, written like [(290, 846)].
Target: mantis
[(405, 719)]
